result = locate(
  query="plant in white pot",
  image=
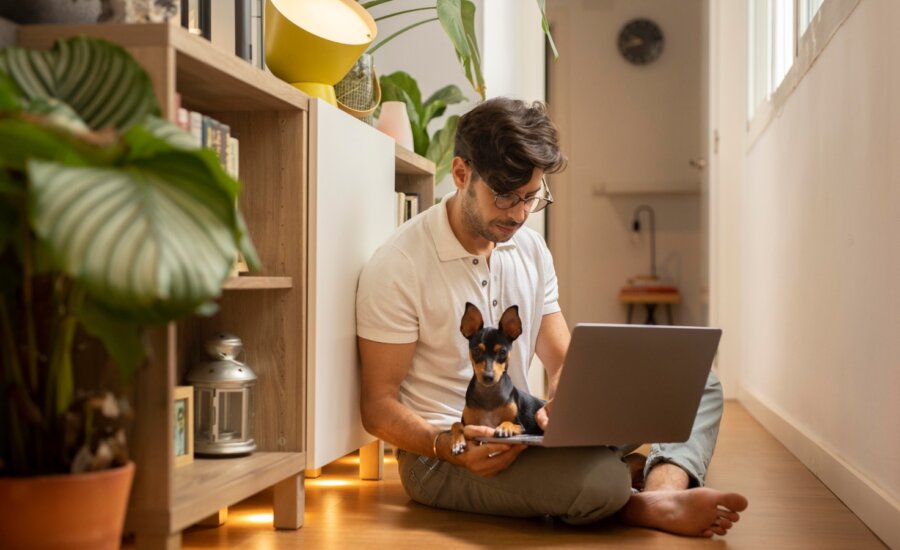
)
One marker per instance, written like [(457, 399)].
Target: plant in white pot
[(111, 220)]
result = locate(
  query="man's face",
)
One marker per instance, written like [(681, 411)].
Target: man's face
[(481, 215)]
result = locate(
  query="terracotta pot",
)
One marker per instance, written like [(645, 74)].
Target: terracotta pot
[(77, 511)]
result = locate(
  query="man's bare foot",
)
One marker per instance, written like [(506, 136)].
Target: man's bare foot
[(695, 512)]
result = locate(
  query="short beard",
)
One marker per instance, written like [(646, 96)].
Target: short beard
[(473, 220)]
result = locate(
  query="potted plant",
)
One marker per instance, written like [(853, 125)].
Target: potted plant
[(111, 220), (438, 147)]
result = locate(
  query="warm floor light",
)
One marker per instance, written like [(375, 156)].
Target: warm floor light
[(319, 482), (262, 518)]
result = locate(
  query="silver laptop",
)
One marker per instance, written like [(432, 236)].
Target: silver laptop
[(628, 385)]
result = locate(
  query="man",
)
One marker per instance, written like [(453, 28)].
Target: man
[(415, 369)]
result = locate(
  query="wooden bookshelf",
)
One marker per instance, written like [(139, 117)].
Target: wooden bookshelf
[(270, 118)]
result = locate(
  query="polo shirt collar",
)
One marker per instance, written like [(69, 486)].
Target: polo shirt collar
[(447, 245)]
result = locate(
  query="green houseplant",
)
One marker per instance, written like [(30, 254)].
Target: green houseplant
[(457, 17), (111, 220), (438, 147)]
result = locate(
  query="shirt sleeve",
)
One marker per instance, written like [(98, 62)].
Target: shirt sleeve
[(386, 304), (551, 287)]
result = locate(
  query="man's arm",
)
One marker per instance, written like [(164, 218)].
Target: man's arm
[(552, 344), (384, 366)]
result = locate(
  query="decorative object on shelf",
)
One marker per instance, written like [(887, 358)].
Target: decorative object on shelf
[(359, 92), (400, 86), (640, 41), (394, 121), (457, 18), (151, 205), (311, 45), (224, 396), (183, 405)]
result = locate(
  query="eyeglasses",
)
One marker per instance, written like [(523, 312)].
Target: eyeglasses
[(535, 203)]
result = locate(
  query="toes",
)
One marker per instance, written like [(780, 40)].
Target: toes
[(733, 516), (718, 530), (725, 523), (708, 533), (458, 448)]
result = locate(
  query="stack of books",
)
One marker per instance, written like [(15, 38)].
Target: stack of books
[(212, 134)]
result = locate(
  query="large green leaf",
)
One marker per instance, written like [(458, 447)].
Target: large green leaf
[(98, 79), (440, 150), (400, 86), (21, 140), (457, 17), (472, 62), (154, 238), (10, 95)]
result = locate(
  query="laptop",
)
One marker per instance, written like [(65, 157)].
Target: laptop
[(627, 385)]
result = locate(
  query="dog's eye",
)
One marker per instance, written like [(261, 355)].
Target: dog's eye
[(477, 355), (501, 357)]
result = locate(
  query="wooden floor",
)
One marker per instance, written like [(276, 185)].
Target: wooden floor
[(789, 509)]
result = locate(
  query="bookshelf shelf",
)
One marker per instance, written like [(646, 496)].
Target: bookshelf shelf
[(258, 283), (207, 485)]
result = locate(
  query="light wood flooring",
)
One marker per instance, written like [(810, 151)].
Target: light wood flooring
[(789, 509)]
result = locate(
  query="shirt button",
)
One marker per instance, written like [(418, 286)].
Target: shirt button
[(475, 261), (495, 303), (483, 283)]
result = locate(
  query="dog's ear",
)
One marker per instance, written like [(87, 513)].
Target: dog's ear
[(510, 323), (472, 321)]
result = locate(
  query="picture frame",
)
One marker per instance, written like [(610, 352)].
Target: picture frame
[(183, 425)]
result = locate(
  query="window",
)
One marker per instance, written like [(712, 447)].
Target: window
[(772, 46), (807, 11)]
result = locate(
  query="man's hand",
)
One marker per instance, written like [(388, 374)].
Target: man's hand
[(542, 417), (484, 459)]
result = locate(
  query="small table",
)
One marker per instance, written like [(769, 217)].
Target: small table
[(650, 299)]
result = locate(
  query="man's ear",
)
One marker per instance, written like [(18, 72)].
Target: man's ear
[(510, 324), (459, 170), (472, 321)]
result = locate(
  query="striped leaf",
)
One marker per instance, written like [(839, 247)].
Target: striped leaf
[(99, 80), (156, 238)]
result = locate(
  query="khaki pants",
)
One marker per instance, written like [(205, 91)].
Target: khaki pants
[(579, 485)]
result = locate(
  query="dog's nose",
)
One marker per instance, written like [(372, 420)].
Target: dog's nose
[(488, 374)]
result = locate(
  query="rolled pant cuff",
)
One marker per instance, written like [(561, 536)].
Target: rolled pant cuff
[(696, 476)]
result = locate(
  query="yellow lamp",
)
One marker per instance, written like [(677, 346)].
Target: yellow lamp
[(312, 44)]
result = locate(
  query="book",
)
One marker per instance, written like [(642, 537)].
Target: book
[(401, 208), (411, 207)]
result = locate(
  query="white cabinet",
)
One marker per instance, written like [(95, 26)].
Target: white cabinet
[(351, 213)]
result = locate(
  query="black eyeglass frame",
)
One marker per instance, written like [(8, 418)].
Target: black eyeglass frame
[(539, 202)]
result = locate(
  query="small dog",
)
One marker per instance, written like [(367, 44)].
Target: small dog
[(491, 398)]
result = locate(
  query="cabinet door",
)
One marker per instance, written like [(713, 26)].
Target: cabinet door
[(351, 198)]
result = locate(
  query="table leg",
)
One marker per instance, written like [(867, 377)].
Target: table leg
[(288, 503), (669, 314), (651, 314)]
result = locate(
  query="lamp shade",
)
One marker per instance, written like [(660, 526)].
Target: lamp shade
[(315, 41)]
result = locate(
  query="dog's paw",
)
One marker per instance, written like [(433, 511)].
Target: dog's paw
[(458, 446), (508, 429)]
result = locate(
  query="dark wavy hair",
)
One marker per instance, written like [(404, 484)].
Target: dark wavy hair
[(505, 139)]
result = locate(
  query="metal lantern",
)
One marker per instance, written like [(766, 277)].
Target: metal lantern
[(224, 397)]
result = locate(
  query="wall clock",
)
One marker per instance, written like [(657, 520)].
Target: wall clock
[(640, 41)]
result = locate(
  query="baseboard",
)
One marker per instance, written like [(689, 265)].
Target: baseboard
[(878, 510)]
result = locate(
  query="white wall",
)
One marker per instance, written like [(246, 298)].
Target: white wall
[(820, 261), (728, 78), (630, 128)]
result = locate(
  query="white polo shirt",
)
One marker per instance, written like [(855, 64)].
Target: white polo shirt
[(415, 288)]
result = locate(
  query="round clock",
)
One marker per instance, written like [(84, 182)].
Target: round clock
[(640, 41)]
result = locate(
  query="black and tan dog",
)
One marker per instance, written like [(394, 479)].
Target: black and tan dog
[(492, 399)]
